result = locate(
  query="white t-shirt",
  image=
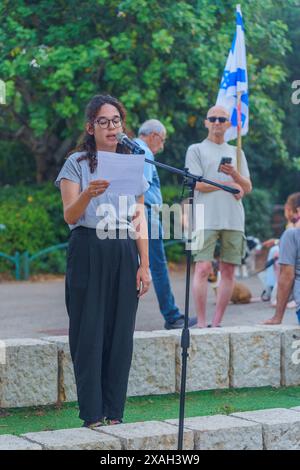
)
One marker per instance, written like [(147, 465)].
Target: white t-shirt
[(221, 210)]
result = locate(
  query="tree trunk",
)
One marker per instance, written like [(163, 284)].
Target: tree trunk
[(41, 159), (49, 154), (49, 151)]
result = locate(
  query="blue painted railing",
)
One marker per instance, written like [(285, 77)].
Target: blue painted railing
[(16, 261), (27, 259), (23, 261)]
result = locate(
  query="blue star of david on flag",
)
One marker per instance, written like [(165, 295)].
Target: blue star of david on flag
[(234, 80)]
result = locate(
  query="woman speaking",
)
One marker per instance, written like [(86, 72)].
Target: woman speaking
[(105, 275)]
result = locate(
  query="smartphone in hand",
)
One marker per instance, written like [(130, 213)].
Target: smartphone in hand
[(224, 161)]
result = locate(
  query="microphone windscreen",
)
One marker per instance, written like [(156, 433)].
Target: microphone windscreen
[(120, 136)]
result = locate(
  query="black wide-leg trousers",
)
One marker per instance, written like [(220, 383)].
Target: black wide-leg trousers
[(101, 300)]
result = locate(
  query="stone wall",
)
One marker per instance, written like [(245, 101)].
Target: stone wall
[(40, 372)]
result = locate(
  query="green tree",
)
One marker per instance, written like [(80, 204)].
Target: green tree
[(161, 59), (288, 181)]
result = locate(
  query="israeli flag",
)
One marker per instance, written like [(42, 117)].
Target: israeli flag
[(234, 80)]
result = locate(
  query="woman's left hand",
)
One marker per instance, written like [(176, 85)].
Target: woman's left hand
[(143, 280)]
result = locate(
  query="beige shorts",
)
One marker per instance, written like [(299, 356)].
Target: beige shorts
[(232, 246)]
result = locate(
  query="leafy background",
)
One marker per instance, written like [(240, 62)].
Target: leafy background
[(163, 60)]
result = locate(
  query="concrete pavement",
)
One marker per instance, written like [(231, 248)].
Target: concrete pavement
[(36, 309)]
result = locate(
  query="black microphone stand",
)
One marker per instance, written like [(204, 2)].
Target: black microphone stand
[(190, 181)]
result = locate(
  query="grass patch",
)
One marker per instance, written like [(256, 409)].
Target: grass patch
[(22, 420)]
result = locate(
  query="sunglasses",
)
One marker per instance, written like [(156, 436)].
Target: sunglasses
[(219, 119)]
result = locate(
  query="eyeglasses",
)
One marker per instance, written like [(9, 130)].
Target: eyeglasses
[(162, 139), (104, 123), (219, 119)]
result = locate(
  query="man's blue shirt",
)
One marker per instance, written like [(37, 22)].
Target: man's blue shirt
[(153, 195)]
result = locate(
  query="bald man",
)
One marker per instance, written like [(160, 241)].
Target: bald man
[(224, 217)]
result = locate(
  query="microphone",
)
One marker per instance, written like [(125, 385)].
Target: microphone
[(130, 144)]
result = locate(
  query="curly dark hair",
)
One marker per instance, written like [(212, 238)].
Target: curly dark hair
[(88, 143)]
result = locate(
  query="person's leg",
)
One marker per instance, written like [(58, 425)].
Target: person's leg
[(225, 290), (232, 253), (271, 276), (203, 257), (271, 272), (119, 328), (298, 315), (86, 300), (200, 286), (160, 277), (273, 298)]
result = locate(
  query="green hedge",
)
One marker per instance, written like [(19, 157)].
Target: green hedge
[(258, 211), (172, 195), (33, 220)]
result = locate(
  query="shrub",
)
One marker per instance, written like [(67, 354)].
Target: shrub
[(33, 220), (258, 212), (172, 195)]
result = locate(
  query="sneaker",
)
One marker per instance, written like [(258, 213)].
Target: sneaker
[(179, 323)]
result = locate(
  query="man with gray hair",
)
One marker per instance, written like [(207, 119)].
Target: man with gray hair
[(151, 137)]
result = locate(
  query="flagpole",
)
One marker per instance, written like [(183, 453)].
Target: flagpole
[(233, 92), (239, 123), (239, 131)]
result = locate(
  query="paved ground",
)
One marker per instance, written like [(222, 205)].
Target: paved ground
[(36, 309)]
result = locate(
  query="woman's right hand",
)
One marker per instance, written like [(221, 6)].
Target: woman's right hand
[(143, 280), (96, 187)]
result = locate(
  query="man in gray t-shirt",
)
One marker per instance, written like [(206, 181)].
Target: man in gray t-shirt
[(289, 277)]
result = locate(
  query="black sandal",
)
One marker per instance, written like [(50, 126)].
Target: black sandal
[(113, 422), (95, 425)]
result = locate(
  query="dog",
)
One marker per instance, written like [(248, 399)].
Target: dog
[(240, 295), (252, 246)]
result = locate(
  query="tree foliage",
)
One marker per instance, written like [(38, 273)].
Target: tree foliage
[(162, 59)]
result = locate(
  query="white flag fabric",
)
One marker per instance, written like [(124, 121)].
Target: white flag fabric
[(234, 80)]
